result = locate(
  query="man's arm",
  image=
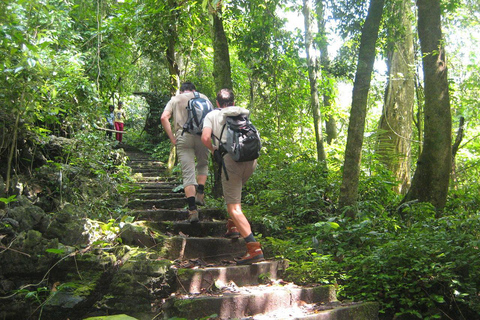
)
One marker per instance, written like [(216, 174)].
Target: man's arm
[(165, 120), (207, 138)]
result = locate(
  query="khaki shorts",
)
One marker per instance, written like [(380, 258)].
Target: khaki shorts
[(238, 174), (189, 148)]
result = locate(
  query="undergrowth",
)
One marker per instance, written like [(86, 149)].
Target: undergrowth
[(420, 264)]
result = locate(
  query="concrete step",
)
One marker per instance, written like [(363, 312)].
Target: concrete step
[(158, 171), (242, 302), (151, 195), (325, 311), (147, 174), (171, 186), (157, 179), (171, 203), (178, 214), (158, 190), (197, 280), (145, 163), (210, 250), (211, 228)]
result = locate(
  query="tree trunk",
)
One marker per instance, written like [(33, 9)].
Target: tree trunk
[(395, 127), (356, 128), (432, 175), (222, 77), (222, 72), (173, 68), (313, 76), (330, 123), (170, 52)]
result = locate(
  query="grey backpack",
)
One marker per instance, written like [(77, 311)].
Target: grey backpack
[(243, 140), (197, 109)]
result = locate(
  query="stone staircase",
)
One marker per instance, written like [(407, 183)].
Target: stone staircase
[(208, 284)]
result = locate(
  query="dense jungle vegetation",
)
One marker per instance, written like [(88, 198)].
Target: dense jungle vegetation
[(369, 173)]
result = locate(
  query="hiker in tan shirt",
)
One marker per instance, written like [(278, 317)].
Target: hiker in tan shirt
[(189, 147)]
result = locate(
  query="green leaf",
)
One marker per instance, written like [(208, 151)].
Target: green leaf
[(56, 251), (437, 298), (31, 62), (9, 199)]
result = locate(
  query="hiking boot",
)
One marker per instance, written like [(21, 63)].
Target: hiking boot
[(193, 216), (254, 254), (232, 231), (200, 199)]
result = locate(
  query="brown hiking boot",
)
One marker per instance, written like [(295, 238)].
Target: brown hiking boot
[(232, 231), (193, 216), (254, 254), (200, 199)]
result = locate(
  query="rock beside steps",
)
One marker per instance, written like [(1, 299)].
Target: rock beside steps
[(208, 284)]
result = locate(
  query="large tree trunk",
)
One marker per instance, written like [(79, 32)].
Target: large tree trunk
[(356, 127), (170, 52), (313, 76), (395, 127), (222, 76), (222, 72), (432, 175), (330, 123), (173, 68)]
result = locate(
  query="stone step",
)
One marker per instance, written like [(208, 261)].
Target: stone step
[(171, 203), (147, 174), (145, 163), (210, 250), (247, 301), (325, 311), (197, 280), (152, 195), (158, 171), (178, 214), (201, 229), (157, 190), (136, 154), (163, 192), (160, 179), (168, 185)]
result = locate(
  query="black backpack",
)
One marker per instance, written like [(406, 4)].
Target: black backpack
[(243, 140), (197, 109)]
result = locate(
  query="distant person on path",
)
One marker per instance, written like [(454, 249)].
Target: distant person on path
[(109, 117), (118, 121), (238, 174), (189, 147)]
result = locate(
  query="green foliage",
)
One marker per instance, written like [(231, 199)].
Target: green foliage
[(419, 265), (295, 194), (12, 198), (86, 172), (63, 62), (306, 266), (36, 296), (427, 269)]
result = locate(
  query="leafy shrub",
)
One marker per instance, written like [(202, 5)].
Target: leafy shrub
[(87, 172), (296, 193)]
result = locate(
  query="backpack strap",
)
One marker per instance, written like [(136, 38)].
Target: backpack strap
[(196, 95), (223, 152)]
